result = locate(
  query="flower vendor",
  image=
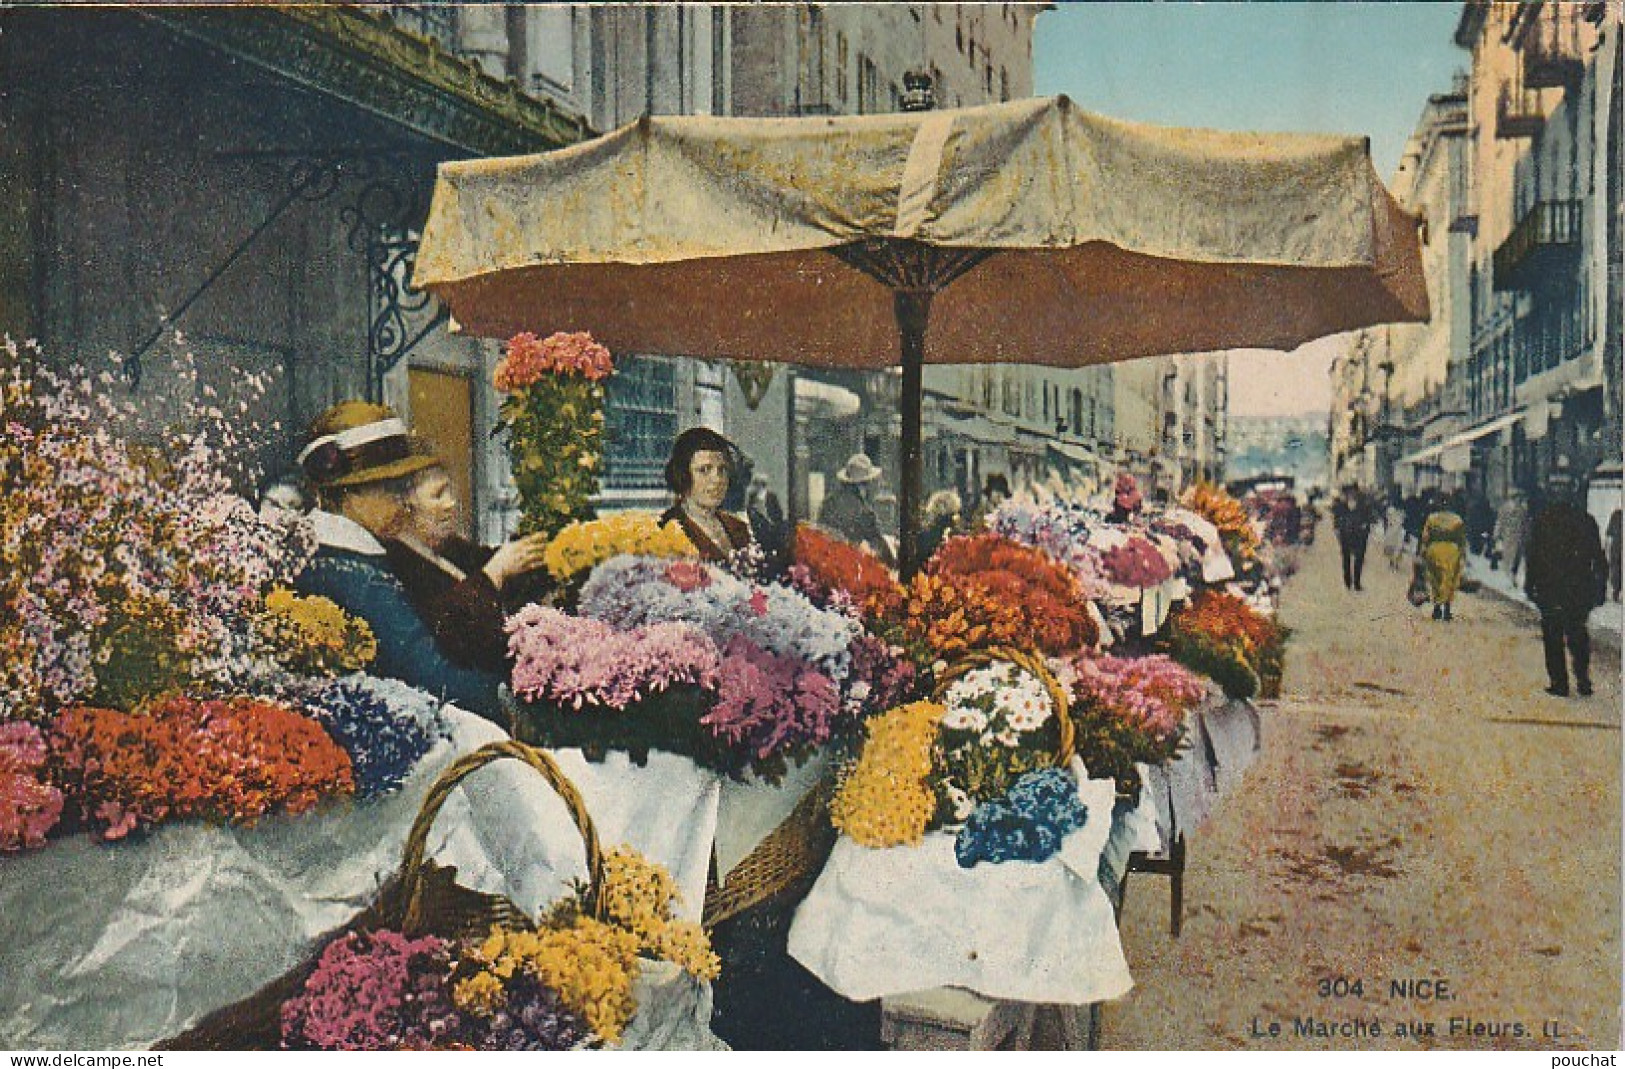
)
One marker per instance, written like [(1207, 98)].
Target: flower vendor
[(698, 473), (371, 478)]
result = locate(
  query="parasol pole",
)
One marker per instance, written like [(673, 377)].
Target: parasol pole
[(913, 310)]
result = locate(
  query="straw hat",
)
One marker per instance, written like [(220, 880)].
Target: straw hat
[(858, 469), (358, 442)]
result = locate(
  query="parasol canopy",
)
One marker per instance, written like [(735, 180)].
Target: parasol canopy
[(1027, 232)]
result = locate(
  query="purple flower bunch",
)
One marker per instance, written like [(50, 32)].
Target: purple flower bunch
[(770, 704), (1136, 563), (881, 677), (581, 661), (630, 592), (29, 808), (532, 1017), (375, 991), (385, 726)]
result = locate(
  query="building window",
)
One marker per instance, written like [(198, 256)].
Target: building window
[(868, 85), (1004, 83), (550, 46), (840, 67), (640, 421)]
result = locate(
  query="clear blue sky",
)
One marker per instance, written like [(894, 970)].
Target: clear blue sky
[(1352, 68), (1364, 69)]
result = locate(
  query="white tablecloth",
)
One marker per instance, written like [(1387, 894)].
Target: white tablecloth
[(888, 922), (122, 945)]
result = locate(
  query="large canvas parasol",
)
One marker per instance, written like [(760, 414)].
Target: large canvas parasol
[(1025, 232)]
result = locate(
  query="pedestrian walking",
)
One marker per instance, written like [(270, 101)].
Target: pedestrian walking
[(1512, 531), (1567, 577), (1416, 508), (1444, 553), (1352, 518), (1393, 535), (1614, 555)]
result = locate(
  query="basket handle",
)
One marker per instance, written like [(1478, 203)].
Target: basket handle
[(1029, 662), (411, 873)]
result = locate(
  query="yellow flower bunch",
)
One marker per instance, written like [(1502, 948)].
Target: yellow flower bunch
[(586, 543), (887, 799), (313, 636), (638, 895), (589, 963), (1214, 504)]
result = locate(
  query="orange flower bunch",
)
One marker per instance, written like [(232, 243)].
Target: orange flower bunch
[(940, 619), (1054, 609), (1229, 619), (231, 759), (831, 564), (1214, 504), (1221, 636)]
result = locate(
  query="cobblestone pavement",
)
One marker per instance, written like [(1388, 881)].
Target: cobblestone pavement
[(1421, 812)]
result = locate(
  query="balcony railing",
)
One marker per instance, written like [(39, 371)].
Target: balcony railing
[(1518, 111), (1553, 46), (1546, 239)]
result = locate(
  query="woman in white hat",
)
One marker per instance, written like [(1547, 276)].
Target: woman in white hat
[(847, 511), (387, 552)]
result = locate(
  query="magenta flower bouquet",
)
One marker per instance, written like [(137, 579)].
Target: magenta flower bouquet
[(1130, 710), (581, 662), (29, 807), (770, 705), (1136, 563)]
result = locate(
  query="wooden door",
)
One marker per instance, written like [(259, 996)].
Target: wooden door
[(442, 404)]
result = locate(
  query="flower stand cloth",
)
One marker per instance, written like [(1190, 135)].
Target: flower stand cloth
[(120, 946), (907, 918)]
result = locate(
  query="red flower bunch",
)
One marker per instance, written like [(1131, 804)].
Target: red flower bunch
[(530, 358), (1053, 608), (825, 564), (232, 759)]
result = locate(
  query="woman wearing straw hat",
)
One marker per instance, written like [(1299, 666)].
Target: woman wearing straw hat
[(847, 512), (386, 553)]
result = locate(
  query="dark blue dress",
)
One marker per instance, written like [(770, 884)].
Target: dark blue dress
[(363, 585)]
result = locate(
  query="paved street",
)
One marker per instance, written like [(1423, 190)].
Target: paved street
[(1421, 811)]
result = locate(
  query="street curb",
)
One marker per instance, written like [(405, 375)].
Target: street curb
[(1600, 636)]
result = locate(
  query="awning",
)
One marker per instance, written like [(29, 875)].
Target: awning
[(977, 428), (1423, 457), (1451, 450), (825, 400), (1500, 423), (1075, 453)]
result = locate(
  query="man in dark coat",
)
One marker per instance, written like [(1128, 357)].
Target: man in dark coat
[(1566, 576), (847, 512), (1352, 517)]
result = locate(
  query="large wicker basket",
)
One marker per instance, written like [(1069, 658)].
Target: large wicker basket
[(421, 898), (1031, 663)]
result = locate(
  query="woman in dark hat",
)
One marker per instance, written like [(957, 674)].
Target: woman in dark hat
[(387, 553), (698, 473)]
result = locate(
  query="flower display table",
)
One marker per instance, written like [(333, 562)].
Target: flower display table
[(883, 922), (126, 945)]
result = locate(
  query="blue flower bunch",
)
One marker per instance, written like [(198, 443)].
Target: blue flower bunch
[(385, 725), (1027, 824)]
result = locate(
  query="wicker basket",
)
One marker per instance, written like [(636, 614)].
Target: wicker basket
[(421, 898), (1027, 662), (786, 862)]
